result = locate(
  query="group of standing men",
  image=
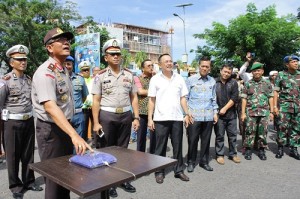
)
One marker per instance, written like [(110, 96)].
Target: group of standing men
[(163, 102)]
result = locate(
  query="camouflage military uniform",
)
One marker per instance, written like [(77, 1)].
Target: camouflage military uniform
[(288, 86), (257, 94)]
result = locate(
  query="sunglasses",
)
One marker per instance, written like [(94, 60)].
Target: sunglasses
[(114, 54), (20, 59), (86, 70)]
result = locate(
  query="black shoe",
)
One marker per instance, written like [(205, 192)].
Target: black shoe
[(206, 167), (262, 154), (182, 176), (34, 188), (248, 154), (128, 187), (279, 153), (113, 192), (294, 153), (159, 179), (190, 167), (18, 195)]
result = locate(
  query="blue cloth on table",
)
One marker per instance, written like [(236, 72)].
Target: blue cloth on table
[(93, 160)]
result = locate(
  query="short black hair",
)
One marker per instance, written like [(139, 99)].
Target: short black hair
[(143, 62), (204, 58), (159, 58), (226, 66)]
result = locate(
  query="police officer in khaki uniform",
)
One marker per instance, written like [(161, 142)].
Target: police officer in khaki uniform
[(53, 103), (114, 92), (19, 134)]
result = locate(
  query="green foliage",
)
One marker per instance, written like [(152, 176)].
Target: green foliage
[(126, 57), (27, 22), (139, 58), (270, 37)]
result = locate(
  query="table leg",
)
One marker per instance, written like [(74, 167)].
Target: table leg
[(105, 194)]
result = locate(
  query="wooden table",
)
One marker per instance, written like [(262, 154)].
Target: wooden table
[(85, 182)]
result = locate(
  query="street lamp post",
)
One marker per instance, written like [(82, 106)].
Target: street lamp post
[(171, 31), (185, 57), (183, 21)]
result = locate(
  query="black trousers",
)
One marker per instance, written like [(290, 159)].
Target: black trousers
[(162, 130), (52, 143), (142, 136), (19, 147), (195, 131), (230, 126), (87, 113), (117, 128)]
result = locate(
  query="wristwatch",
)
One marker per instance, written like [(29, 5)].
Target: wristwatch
[(136, 118)]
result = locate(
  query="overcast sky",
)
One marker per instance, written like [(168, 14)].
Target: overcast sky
[(158, 14)]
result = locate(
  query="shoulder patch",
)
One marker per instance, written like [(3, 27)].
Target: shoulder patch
[(6, 77), (96, 79), (51, 67), (49, 75)]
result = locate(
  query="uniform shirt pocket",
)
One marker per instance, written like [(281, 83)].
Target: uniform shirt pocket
[(15, 94)]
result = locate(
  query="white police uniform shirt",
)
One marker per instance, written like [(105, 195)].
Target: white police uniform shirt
[(15, 93)]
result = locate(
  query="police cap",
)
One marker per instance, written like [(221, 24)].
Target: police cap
[(84, 64), (56, 33), (70, 58), (21, 49), (112, 43)]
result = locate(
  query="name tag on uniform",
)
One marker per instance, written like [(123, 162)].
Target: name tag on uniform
[(106, 81)]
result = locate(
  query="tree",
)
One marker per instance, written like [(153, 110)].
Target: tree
[(126, 57), (270, 37), (139, 58), (27, 22)]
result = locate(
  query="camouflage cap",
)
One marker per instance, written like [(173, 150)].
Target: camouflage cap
[(289, 58), (21, 49), (56, 33), (256, 65), (112, 43)]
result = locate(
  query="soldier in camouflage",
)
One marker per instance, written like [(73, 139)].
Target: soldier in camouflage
[(287, 84), (257, 104)]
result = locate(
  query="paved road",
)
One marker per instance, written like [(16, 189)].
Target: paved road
[(272, 178)]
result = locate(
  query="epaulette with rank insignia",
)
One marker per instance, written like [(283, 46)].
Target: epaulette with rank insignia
[(51, 67), (6, 77), (28, 77), (102, 71), (127, 70), (59, 67)]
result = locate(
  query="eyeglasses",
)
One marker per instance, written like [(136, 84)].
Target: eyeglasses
[(114, 54), (86, 70), (20, 59), (60, 40)]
